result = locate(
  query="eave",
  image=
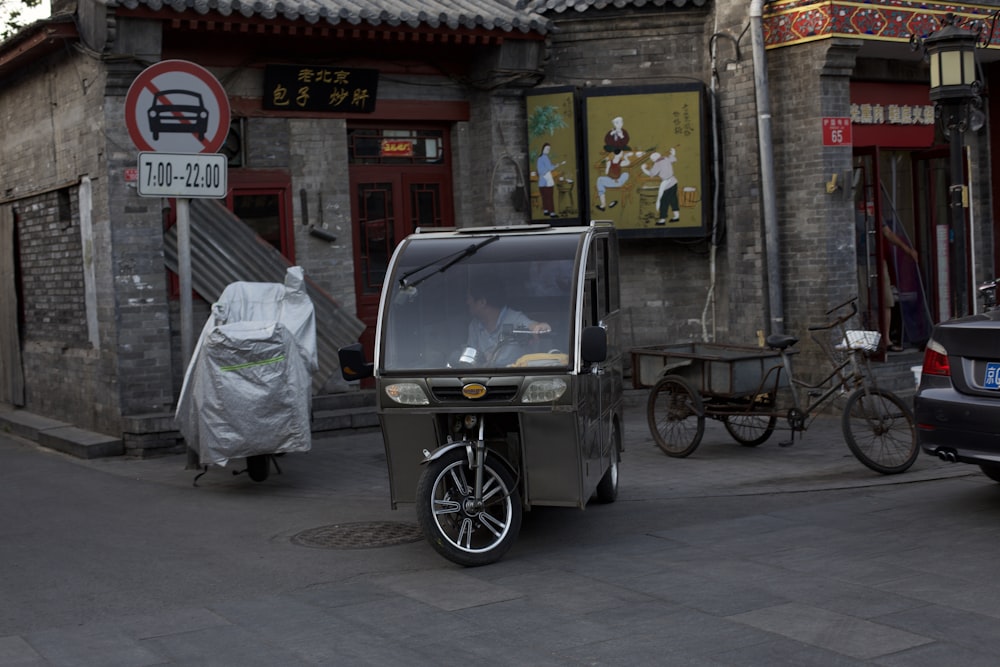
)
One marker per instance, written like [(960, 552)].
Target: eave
[(35, 42)]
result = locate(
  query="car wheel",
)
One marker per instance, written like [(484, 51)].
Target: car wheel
[(991, 470), (607, 488)]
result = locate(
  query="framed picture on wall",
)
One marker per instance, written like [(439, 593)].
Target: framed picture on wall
[(645, 159), (553, 156)]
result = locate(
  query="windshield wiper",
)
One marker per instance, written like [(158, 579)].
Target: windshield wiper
[(454, 258)]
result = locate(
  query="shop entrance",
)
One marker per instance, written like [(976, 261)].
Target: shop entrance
[(904, 245), (400, 179)]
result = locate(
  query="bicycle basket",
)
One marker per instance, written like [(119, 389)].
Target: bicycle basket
[(860, 340)]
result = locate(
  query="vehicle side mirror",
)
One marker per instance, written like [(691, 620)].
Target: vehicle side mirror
[(594, 345), (352, 363)]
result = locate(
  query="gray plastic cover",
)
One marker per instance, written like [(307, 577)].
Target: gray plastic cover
[(247, 389)]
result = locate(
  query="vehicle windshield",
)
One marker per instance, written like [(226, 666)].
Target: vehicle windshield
[(480, 302)]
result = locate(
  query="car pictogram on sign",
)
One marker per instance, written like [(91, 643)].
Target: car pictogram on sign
[(178, 111), (176, 106)]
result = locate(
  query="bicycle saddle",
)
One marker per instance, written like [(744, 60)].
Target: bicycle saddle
[(780, 341)]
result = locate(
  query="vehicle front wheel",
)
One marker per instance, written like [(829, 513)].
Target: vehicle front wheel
[(459, 528), (879, 430)]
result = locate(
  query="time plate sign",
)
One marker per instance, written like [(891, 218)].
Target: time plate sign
[(195, 175)]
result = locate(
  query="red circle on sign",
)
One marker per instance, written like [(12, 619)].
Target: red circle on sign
[(176, 106)]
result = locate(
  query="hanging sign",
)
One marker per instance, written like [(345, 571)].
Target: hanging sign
[(311, 88)]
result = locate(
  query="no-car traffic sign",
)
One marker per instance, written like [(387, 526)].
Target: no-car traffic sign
[(176, 106)]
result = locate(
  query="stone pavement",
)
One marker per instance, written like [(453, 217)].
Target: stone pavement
[(732, 556)]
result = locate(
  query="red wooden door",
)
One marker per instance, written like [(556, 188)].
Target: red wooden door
[(388, 207)]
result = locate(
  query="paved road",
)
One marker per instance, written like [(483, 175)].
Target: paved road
[(733, 556)]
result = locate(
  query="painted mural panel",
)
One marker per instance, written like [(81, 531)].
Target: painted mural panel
[(553, 156), (645, 159)]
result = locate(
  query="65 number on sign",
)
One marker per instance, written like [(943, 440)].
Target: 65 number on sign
[(837, 132)]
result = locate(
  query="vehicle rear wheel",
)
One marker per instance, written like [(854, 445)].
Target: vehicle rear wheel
[(879, 430), (459, 528), (991, 470), (607, 488), (675, 414), (258, 467), (750, 430)]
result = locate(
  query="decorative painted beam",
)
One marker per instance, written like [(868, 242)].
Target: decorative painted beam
[(788, 22)]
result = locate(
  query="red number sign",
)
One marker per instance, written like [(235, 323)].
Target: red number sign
[(836, 131)]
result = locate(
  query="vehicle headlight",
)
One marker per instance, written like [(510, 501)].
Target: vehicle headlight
[(544, 391), (407, 393)]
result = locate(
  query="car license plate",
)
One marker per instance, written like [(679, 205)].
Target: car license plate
[(992, 379)]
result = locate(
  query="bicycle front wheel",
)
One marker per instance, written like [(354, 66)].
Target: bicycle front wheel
[(879, 430)]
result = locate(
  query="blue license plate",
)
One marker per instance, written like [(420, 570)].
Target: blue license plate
[(992, 379)]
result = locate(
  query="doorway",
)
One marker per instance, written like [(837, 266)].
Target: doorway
[(899, 269), (400, 180)]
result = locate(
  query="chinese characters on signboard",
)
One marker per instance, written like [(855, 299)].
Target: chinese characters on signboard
[(867, 113), (308, 88)]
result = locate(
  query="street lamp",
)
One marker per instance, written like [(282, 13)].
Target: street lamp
[(955, 91)]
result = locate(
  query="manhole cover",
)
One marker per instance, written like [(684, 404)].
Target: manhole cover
[(361, 535)]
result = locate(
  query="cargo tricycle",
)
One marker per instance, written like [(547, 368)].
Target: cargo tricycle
[(749, 389), (498, 375)]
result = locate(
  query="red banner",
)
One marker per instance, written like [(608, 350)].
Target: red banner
[(892, 115)]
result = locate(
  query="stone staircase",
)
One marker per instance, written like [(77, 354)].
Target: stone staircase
[(350, 410), (895, 372), (155, 434)]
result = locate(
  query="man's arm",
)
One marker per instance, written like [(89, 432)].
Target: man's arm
[(894, 239)]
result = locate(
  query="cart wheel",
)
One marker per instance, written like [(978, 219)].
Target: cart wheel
[(459, 530), (750, 430), (607, 488), (879, 430), (258, 467), (676, 416)]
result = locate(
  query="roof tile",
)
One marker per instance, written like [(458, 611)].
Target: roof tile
[(498, 15)]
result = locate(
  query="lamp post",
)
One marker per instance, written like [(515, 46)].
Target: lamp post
[(954, 90)]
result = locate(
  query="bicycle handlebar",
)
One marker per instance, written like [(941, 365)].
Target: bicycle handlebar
[(852, 302)]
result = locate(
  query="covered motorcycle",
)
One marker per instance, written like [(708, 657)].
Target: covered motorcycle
[(247, 390)]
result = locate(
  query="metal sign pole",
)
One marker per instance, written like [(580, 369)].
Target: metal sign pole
[(184, 276)]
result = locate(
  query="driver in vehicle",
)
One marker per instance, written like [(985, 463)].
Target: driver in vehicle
[(491, 330)]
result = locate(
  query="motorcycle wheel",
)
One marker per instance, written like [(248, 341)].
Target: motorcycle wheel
[(258, 467), (460, 530)]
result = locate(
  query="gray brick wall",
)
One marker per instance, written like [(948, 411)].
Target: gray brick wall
[(665, 283), (53, 138)]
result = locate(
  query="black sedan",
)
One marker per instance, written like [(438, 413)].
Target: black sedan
[(957, 406)]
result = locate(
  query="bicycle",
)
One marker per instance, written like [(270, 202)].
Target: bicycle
[(878, 426)]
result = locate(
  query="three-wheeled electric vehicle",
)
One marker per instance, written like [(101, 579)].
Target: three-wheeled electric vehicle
[(498, 374)]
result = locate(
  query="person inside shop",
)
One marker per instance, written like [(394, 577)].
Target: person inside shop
[(888, 294)]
